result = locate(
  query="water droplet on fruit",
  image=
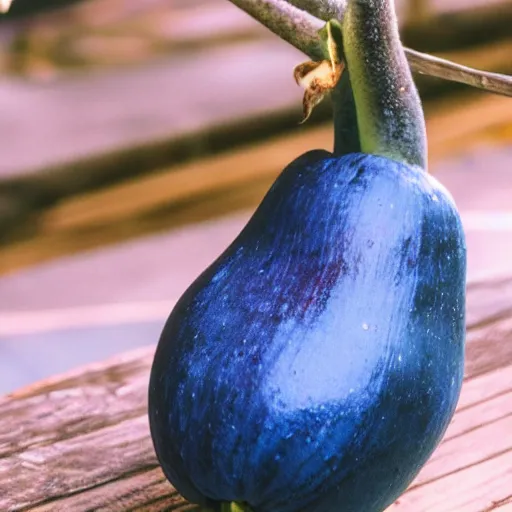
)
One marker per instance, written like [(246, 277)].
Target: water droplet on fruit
[(365, 326)]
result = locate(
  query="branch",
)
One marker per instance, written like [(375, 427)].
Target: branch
[(441, 68), (300, 29)]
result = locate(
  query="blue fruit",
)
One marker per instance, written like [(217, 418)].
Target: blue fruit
[(315, 365)]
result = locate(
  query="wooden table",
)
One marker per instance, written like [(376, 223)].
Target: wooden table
[(80, 442)]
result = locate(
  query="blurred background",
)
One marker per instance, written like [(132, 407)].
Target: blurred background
[(137, 136)]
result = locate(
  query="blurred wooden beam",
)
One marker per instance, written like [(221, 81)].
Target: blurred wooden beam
[(476, 24), (217, 185), (446, 129), (86, 34), (79, 134)]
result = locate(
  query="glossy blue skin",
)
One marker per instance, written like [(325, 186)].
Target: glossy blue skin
[(317, 363)]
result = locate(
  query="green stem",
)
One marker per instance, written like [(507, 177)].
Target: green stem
[(346, 133), (234, 507), (389, 112)]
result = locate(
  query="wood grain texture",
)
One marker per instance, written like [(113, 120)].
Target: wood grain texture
[(80, 441)]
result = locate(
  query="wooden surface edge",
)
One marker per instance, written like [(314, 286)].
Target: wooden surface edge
[(82, 438)]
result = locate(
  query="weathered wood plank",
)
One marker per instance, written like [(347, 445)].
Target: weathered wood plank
[(493, 409), (77, 404), (481, 439), (81, 441), (81, 462), (492, 302), (483, 389), (489, 347), (90, 451), (147, 491), (470, 489)]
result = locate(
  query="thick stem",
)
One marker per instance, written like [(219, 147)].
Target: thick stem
[(389, 112)]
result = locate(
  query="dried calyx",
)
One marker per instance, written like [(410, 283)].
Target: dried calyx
[(320, 78)]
